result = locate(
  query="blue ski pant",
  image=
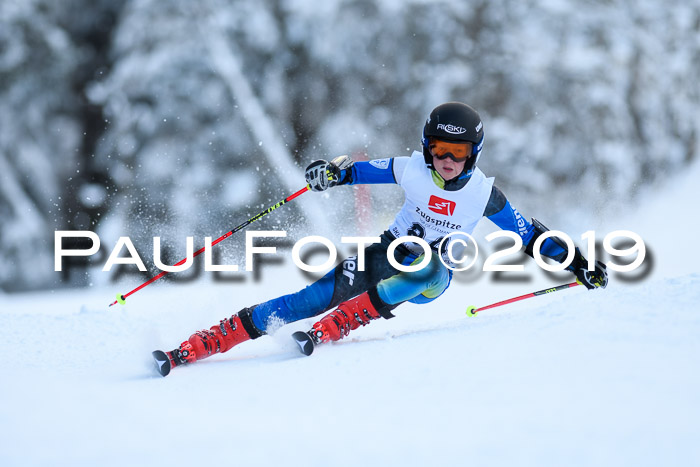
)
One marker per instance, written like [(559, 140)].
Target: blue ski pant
[(345, 281)]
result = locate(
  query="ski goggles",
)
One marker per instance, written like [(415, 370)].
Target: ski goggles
[(458, 152)]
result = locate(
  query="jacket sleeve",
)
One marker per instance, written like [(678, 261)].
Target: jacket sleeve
[(505, 216), (376, 171)]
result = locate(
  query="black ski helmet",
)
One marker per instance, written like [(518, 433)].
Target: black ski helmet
[(457, 122)]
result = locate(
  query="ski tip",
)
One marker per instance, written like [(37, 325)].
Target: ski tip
[(162, 362), (304, 341)]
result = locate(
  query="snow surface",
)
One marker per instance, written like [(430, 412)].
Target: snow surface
[(574, 378)]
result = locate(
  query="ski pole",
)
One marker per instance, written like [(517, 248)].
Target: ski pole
[(472, 310), (122, 298)]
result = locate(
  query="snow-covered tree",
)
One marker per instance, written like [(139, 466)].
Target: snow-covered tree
[(39, 139), (178, 118)]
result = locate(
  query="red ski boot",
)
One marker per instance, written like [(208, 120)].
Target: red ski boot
[(349, 315), (202, 344)]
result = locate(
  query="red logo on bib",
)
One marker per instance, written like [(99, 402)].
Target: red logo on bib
[(441, 206)]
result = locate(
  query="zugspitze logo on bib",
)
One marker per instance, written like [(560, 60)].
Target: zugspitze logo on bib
[(450, 128), (441, 206)]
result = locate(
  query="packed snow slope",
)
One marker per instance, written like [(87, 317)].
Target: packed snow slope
[(608, 377)]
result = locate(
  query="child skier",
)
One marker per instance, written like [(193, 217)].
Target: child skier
[(445, 192)]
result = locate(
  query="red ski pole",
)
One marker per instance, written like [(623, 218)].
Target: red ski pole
[(122, 298), (472, 310)]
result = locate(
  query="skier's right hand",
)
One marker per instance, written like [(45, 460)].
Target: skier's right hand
[(321, 175)]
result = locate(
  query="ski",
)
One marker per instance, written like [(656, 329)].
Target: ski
[(162, 362), (305, 342)]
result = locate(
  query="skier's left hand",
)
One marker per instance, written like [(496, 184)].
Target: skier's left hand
[(597, 278)]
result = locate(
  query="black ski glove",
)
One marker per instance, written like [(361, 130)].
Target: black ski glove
[(321, 175), (590, 279)]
